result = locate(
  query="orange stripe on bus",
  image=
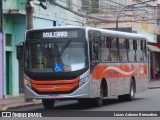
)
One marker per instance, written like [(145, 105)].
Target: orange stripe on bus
[(55, 85), (54, 81), (118, 71)]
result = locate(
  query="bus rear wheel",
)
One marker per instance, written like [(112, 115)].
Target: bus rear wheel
[(131, 95), (48, 103)]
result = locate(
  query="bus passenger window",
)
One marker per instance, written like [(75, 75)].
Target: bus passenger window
[(130, 44), (113, 43), (131, 52), (144, 56), (122, 43), (143, 48), (104, 50), (139, 55), (123, 56), (114, 51), (143, 45), (134, 45), (139, 46), (131, 56), (114, 55)]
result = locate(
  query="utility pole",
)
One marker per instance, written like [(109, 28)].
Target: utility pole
[(29, 14), (29, 18)]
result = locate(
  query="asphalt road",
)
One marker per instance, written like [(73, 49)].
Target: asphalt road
[(145, 101), (148, 100)]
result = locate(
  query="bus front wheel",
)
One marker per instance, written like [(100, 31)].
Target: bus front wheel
[(48, 103), (98, 102)]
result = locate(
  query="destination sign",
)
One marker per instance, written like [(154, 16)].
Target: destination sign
[(54, 34), (50, 34)]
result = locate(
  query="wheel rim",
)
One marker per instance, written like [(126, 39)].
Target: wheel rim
[(132, 91)]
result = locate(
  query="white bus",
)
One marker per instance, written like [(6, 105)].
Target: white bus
[(83, 63)]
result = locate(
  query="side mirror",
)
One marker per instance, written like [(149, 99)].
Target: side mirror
[(19, 51)]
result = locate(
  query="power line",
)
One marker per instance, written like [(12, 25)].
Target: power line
[(81, 15), (87, 16), (64, 18)]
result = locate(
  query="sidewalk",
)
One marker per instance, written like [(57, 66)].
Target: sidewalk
[(153, 84), (18, 101)]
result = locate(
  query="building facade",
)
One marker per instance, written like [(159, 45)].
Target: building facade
[(14, 27), (1, 53), (138, 16), (1, 65)]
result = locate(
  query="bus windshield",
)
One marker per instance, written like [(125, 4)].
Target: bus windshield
[(58, 56)]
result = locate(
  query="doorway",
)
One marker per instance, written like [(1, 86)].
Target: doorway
[(8, 73)]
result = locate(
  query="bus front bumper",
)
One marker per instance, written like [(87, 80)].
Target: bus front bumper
[(81, 92)]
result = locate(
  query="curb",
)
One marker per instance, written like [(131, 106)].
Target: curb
[(153, 87), (3, 108)]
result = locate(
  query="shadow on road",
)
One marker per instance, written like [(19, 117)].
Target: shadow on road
[(77, 106)]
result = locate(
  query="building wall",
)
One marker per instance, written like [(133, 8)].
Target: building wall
[(142, 19), (9, 72), (14, 25), (1, 66)]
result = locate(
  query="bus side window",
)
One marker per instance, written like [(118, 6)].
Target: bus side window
[(123, 56), (131, 51), (134, 45), (143, 48), (94, 47), (114, 50), (91, 46), (139, 51), (104, 49)]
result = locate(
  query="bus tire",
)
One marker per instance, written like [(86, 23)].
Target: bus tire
[(48, 103), (28, 100), (98, 102), (84, 101), (131, 94)]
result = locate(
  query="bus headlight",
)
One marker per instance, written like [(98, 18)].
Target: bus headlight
[(27, 82), (82, 81)]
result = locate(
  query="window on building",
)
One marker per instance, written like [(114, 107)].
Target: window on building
[(8, 38), (94, 6), (69, 3)]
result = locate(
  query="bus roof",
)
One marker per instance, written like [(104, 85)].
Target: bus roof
[(104, 31), (119, 33)]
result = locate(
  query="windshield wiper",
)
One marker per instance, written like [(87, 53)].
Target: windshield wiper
[(63, 49)]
